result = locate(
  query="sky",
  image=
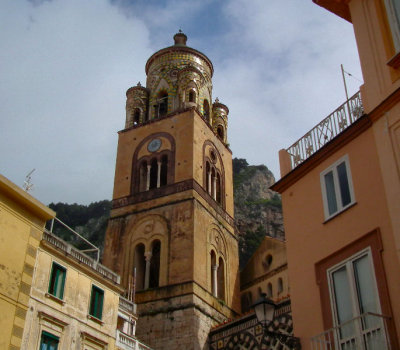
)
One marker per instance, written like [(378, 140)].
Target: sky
[(65, 66)]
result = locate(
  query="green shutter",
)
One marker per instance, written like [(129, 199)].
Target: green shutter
[(57, 281)]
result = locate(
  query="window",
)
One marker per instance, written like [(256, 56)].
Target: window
[(162, 106), (220, 132), (155, 264), (337, 187), (269, 290), (393, 13), (280, 285), (206, 111), (192, 96), (48, 341), (96, 302), (353, 294), (57, 281)]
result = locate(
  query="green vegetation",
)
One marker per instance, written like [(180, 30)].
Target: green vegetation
[(90, 221), (248, 243)]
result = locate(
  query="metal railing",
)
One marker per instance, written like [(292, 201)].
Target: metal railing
[(93, 247), (326, 130), (127, 342), (365, 332), (80, 256)]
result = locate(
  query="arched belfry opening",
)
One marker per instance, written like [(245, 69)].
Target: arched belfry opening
[(154, 278), (162, 104), (139, 266), (206, 111)]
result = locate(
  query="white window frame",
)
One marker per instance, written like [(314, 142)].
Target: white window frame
[(333, 169), (394, 23), (348, 263)]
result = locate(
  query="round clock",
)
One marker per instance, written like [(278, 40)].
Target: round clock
[(154, 145)]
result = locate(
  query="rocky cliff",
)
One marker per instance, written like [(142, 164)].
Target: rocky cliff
[(258, 210)]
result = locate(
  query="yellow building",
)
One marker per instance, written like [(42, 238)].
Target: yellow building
[(52, 295), (22, 219), (340, 192), (172, 218), (266, 272)]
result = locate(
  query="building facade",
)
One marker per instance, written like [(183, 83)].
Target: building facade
[(340, 189), (266, 272), (22, 219), (171, 225)]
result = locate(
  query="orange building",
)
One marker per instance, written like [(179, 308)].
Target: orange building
[(340, 189)]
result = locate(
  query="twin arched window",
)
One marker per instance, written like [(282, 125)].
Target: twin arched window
[(217, 276), (213, 182), (147, 265), (153, 173)]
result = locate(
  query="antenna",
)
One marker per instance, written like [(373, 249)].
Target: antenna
[(28, 185)]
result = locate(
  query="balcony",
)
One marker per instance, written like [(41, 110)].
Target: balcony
[(326, 130), (126, 342), (365, 332), (80, 256)]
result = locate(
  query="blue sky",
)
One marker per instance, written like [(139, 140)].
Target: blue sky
[(65, 66)]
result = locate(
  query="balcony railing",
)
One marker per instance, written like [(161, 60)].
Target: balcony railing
[(127, 342), (127, 305), (365, 332), (326, 130), (81, 257)]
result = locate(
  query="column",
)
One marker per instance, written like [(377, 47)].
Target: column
[(147, 256), (214, 189), (209, 181), (148, 177), (158, 173), (214, 269)]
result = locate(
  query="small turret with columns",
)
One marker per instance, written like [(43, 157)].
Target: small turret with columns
[(178, 77)]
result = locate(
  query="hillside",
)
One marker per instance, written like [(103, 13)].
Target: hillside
[(257, 211)]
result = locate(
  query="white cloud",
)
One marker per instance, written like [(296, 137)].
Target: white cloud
[(282, 75), (65, 68)]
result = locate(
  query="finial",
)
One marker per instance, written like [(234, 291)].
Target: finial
[(217, 100), (180, 38), (138, 84)]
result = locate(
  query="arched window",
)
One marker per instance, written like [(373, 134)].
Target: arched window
[(164, 170), (220, 132), (192, 96), (269, 290), (280, 285), (136, 116), (153, 173), (259, 292), (214, 277), (139, 266), (208, 178), (162, 104), (218, 189), (143, 176), (213, 183), (206, 111), (267, 261), (221, 279), (155, 264)]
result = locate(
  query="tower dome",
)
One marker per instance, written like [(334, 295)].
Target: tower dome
[(179, 77)]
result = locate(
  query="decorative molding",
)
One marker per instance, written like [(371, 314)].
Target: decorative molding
[(182, 186)]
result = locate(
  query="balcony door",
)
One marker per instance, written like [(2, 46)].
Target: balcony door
[(355, 304)]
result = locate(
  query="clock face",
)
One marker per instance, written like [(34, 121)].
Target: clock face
[(154, 145)]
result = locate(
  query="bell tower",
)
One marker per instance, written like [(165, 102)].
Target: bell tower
[(171, 223)]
